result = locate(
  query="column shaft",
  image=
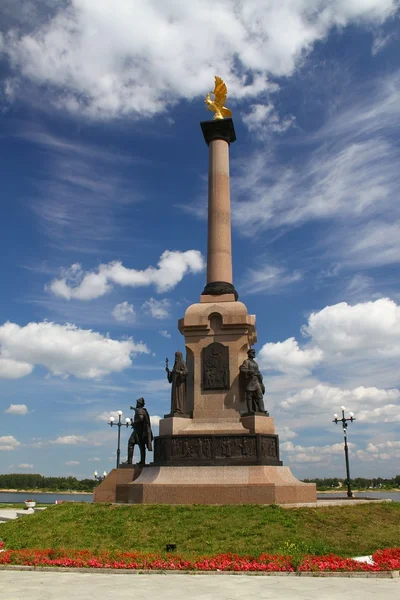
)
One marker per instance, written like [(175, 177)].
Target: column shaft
[(219, 251)]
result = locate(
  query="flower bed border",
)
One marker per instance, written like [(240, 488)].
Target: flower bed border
[(104, 571), (384, 561)]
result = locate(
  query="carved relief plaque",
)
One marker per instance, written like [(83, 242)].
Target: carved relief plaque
[(215, 362), (202, 450)]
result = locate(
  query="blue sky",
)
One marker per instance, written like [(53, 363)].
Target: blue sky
[(104, 183)]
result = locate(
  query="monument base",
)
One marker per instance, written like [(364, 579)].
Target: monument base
[(106, 490), (216, 485)]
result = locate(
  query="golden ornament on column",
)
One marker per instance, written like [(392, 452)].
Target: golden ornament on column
[(217, 105)]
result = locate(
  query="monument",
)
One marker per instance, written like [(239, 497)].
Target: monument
[(218, 444)]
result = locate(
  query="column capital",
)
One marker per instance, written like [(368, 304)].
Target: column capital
[(220, 129)]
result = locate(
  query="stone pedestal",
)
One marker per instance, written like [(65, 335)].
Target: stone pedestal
[(106, 491), (217, 485)]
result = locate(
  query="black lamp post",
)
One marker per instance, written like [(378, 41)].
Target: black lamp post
[(344, 422), (119, 424)]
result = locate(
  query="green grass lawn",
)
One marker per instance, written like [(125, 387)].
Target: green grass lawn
[(250, 529)]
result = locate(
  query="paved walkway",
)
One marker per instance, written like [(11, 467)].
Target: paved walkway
[(34, 585)]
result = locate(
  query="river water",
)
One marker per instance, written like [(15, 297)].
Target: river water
[(44, 498), (395, 496)]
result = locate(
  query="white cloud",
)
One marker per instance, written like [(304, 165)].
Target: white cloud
[(155, 420), (288, 357), (390, 413), (346, 180), (124, 58), (71, 463), (387, 451), (17, 409), (165, 333), (158, 309), (285, 433), (364, 327), (264, 119), (8, 442), (69, 440), (269, 279), (340, 179), (105, 415), (124, 312), (171, 268), (328, 399), (317, 454), (25, 466), (13, 369), (372, 244), (94, 459), (66, 349), (79, 285)]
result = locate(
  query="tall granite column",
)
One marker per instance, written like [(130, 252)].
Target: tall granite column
[(219, 134)]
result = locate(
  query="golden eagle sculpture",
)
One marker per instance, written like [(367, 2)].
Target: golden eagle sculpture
[(217, 105)]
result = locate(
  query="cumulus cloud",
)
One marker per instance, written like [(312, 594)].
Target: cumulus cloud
[(171, 268), (124, 312), (8, 442), (66, 349), (389, 450), (288, 357), (314, 454), (17, 409), (390, 413), (361, 339), (285, 433), (13, 369), (158, 309), (367, 326), (108, 60), (76, 284), (370, 404)]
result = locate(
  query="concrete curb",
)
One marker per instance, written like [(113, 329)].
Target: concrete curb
[(353, 574)]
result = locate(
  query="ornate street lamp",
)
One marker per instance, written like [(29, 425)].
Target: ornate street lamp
[(100, 478), (119, 424), (344, 422)]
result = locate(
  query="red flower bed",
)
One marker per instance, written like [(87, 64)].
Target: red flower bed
[(130, 560), (331, 562), (388, 559), (384, 560)]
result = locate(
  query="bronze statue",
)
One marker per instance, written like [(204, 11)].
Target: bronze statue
[(255, 388), (217, 105), (178, 377), (141, 434)]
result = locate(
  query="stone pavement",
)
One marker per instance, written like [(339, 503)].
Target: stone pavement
[(9, 514), (35, 585)]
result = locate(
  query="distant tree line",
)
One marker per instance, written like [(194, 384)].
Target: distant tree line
[(32, 481), (358, 483)]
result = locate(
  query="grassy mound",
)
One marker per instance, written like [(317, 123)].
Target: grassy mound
[(250, 529)]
